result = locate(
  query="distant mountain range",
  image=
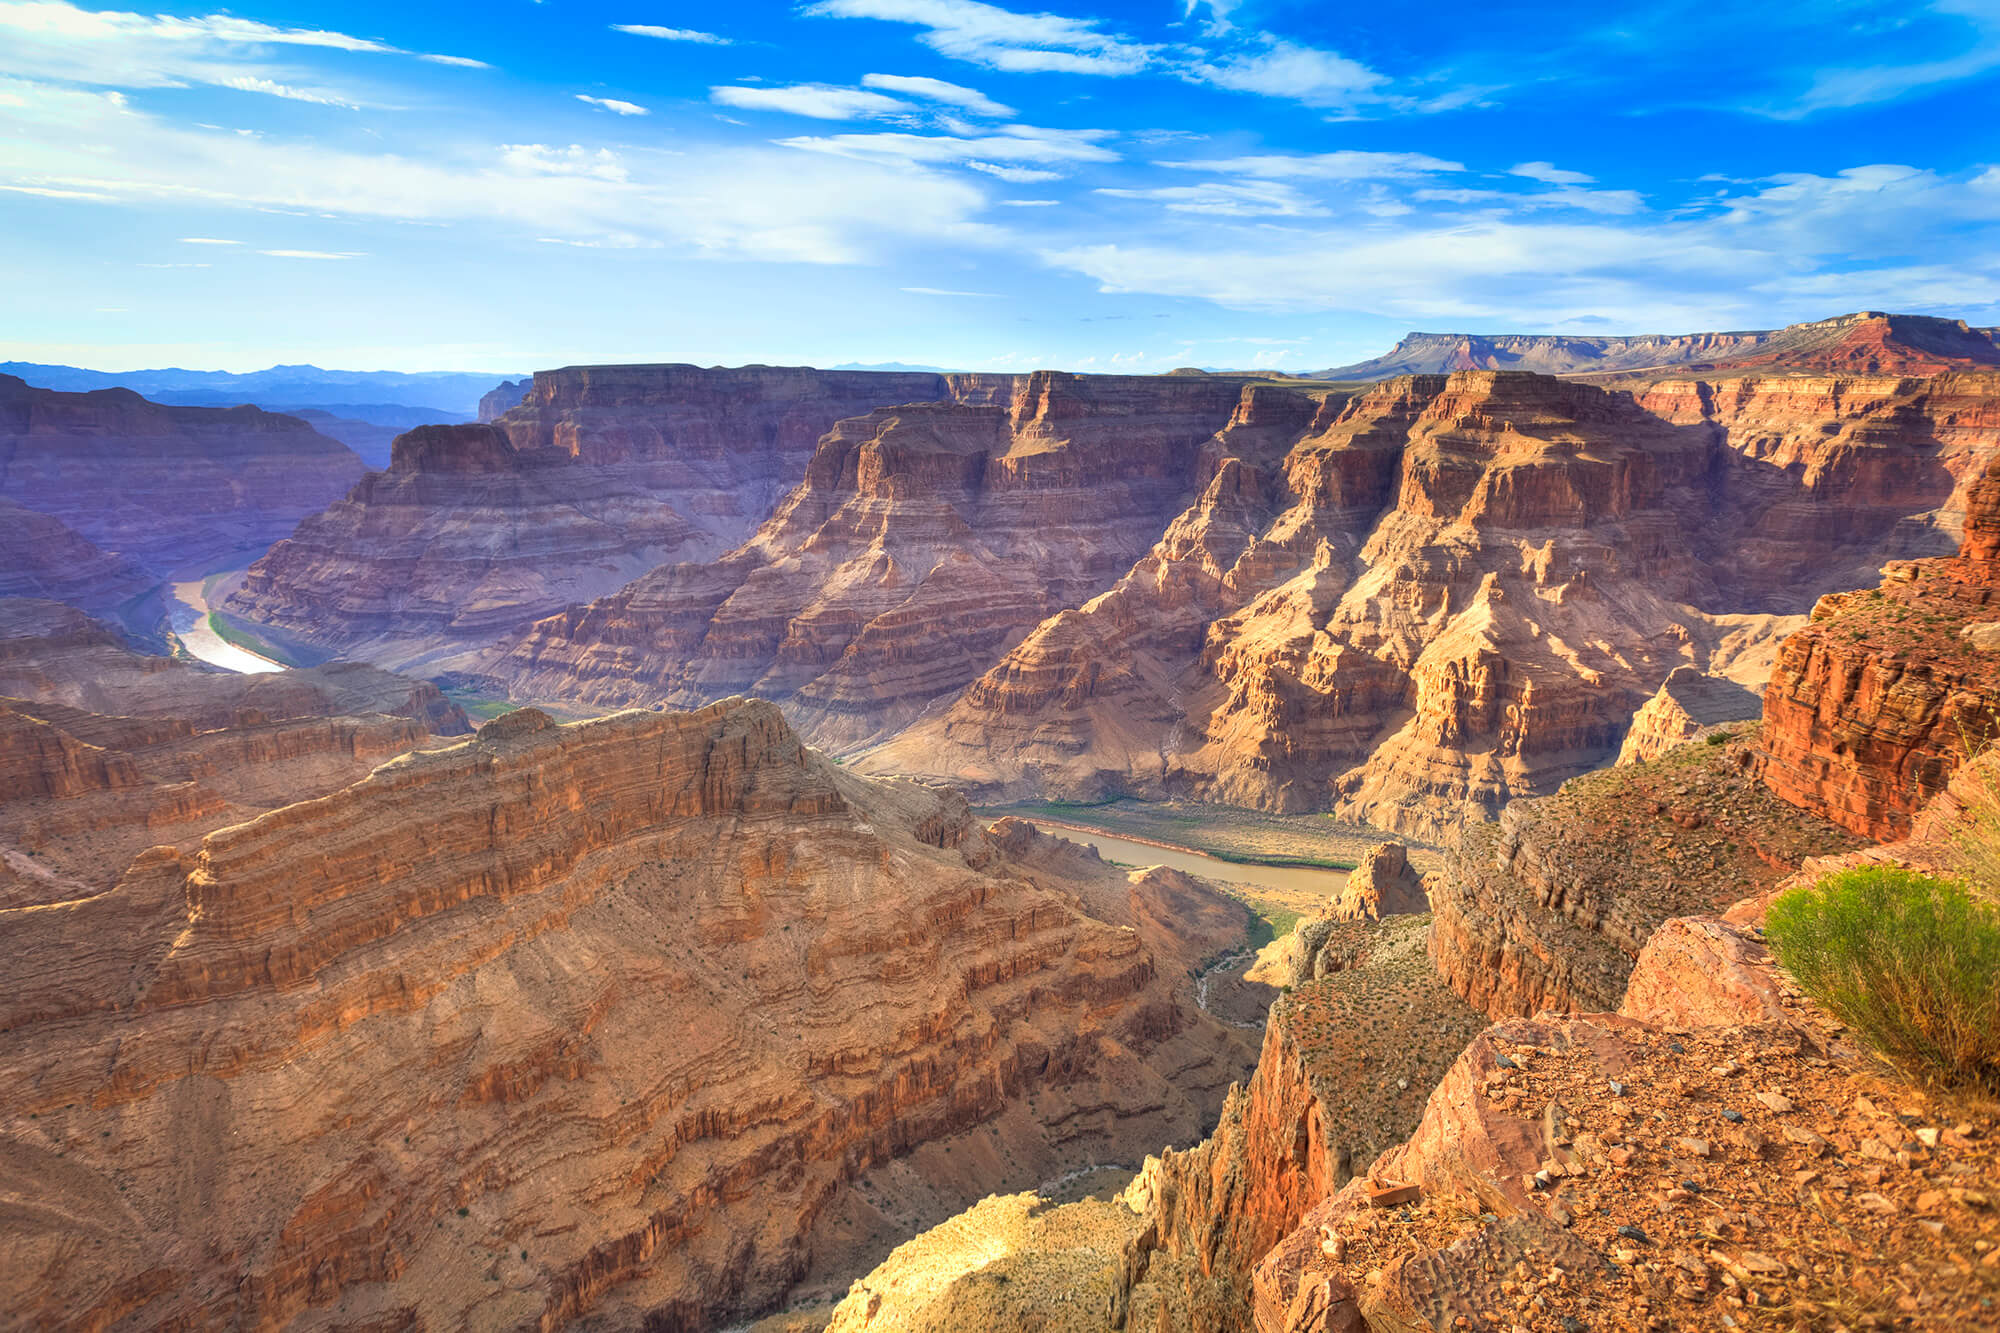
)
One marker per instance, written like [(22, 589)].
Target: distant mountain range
[(363, 409), (1867, 342), (370, 395)]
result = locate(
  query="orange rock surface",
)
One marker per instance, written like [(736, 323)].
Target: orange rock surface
[(1874, 705), (1411, 603), (612, 1021)]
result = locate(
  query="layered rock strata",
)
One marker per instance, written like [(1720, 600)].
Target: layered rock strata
[(42, 558), (1548, 907), (1413, 603), (1874, 705), (1340, 1080), (923, 542), (595, 476), (592, 1022), (1868, 342), (105, 752), (1688, 705), (167, 487)]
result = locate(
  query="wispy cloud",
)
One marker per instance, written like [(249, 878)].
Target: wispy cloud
[(1242, 199), (207, 240), (1003, 39), (938, 90), (942, 291), (54, 40), (1344, 165), (313, 254), (460, 62), (614, 105), (1549, 173), (1297, 73), (821, 101), (1007, 144), (671, 34)]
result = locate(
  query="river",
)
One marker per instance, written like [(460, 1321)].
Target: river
[(188, 612), (1289, 880)]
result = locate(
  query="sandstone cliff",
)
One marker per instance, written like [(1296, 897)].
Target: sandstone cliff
[(1688, 705), (1868, 342), (923, 542), (164, 486), (105, 752), (1548, 907), (1413, 603), (635, 1020), (1876, 702), (593, 478), (40, 557)]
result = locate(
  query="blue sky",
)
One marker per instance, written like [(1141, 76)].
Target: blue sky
[(511, 184)]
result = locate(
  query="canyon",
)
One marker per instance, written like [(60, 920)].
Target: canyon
[(645, 1019), (323, 1009), (165, 487), (1405, 603)]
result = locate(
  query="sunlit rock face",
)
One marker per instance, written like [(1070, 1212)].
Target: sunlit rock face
[(1415, 602), (601, 1021)]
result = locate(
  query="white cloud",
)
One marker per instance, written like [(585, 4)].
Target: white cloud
[(938, 90), (55, 40), (613, 104), (821, 101), (313, 254), (251, 83), (1797, 245), (672, 34), (942, 291), (1030, 203), (207, 240), (1832, 89), (49, 192), (743, 201), (1550, 174), (460, 62), (1241, 199), (1298, 73), (575, 160), (1002, 39), (1345, 165), (1015, 175), (1007, 144)]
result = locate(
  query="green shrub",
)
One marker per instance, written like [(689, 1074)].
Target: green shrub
[(1910, 961)]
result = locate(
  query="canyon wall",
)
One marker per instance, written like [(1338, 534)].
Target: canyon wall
[(597, 475), (167, 487), (1887, 691), (1868, 342), (41, 557), (1413, 603), (923, 542), (622, 1027)]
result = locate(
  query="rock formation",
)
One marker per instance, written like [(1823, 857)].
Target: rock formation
[(164, 486), (1688, 705), (924, 541), (498, 402), (40, 557), (1876, 702), (1412, 603), (1868, 343), (105, 752), (599, 474), (633, 1021), (1548, 907)]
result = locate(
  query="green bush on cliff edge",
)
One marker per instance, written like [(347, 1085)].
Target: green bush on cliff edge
[(1908, 960)]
